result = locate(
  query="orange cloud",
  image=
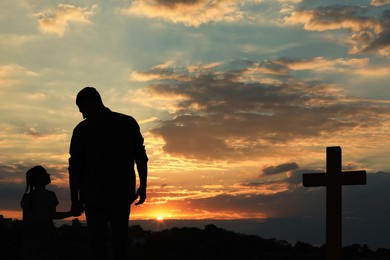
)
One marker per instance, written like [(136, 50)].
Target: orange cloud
[(318, 20), (188, 12), (374, 71), (379, 2), (367, 34), (57, 21)]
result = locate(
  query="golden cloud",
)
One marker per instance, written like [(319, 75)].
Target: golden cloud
[(14, 70), (323, 64), (374, 71), (189, 12), (379, 2), (57, 21), (11, 74), (159, 72)]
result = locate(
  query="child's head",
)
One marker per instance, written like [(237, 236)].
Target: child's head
[(37, 177)]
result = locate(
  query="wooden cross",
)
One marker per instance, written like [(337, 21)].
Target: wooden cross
[(334, 179)]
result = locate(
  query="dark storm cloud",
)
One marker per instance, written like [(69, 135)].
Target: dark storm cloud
[(294, 177), (13, 185), (232, 114), (12, 172), (359, 201), (367, 34), (18, 171), (297, 202), (10, 195), (280, 168)]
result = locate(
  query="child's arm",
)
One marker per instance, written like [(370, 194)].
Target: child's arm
[(66, 214)]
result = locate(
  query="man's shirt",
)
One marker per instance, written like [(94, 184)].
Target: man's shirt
[(103, 151)]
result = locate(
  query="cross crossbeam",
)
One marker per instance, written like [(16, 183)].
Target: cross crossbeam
[(323, 179)]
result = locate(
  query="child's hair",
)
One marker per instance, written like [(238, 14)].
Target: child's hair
[(32, 178)]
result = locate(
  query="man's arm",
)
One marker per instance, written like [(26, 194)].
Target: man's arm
[(65, 214), (75, 171), (141, 160), (74, 184), (142, 168)]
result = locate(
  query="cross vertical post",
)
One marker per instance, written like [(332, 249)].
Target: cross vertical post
[(333, 204)]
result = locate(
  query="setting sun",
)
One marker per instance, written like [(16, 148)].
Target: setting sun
[(160, 218)]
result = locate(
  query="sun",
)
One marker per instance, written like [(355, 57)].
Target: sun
[(159, 218)]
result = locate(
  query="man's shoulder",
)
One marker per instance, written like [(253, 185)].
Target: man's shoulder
[(81, 125), (121, 115), (123, 118)]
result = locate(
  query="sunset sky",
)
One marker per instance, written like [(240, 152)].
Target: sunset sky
[(235, 99)]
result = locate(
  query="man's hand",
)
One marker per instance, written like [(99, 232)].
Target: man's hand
[(76, 213), (141, 193), (77, 208)]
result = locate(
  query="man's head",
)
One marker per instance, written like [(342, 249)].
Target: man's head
[(89, 102)]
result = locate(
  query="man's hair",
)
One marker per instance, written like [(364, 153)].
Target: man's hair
[(88, 95)]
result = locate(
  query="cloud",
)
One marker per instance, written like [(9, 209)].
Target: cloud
[(44, 137), (379, 2), (232, 114), (159, 72), (57, 21), (322, 64), (301, 201), (189, 12), (374, 72), (10, 74), (291, 180), (367, 34), (12, 173), (10, 195), (322, 67), (300, 210), (13, 183), (280, 168)]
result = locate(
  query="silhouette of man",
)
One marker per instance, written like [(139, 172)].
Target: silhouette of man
[(103, 150)]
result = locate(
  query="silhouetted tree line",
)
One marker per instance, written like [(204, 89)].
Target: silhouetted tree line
[(183, 243)]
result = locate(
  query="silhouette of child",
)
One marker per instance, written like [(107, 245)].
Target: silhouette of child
[(39, 210)]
